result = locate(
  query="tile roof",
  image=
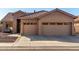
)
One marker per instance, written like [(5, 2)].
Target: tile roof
[(44, 13), (66, 13), (38, 14), (34, 15), (8, 17)]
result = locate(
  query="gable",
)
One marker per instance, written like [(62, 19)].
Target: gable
[(61, 11), (19, 13), (8, 17), (57, 16)]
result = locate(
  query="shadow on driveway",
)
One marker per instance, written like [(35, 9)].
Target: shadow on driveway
[(72, 39)]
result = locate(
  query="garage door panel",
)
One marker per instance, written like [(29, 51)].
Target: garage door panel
[(30, 29), (56, 29)]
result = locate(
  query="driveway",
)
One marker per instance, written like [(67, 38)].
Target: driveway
[(41, 42), (71, 39), (47, 41), (54, 40)]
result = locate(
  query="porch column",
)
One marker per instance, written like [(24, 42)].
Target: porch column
[(73, 29), (39, 28), (21, 31), (14, 26)]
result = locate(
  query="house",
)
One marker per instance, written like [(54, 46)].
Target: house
[(55, 22), (76, 24)]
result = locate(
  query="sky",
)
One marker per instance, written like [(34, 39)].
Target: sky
[(4, 11)]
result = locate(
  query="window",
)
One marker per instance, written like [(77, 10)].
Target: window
[(52, 23), (45, 23), (59, 23), (30, 23), (24, 23), (33, 23), (70, 22), (67, 23)]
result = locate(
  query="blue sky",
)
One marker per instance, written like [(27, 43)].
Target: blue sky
[(4, 11)]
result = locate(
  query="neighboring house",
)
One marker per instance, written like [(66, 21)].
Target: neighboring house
[(55, 22), (0, 26), (76, 24)]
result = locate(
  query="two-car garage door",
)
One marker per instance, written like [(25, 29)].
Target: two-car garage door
[(56, 28)]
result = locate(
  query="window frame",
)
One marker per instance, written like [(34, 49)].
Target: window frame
[(59, 23), (52, 23), (45, 23)]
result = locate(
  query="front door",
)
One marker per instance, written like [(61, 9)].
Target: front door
[(18, 25)]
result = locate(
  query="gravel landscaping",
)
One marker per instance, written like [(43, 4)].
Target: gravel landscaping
[(5, 38)]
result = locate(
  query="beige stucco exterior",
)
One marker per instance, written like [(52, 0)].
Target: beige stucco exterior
[(53, 23), (55, 17), (77, 25)]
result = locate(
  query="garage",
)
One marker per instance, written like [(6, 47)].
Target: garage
[(56, 28), (30, 28), (55, 22)]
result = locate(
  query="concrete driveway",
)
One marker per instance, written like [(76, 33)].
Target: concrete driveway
[(45, 42), (42, 41)]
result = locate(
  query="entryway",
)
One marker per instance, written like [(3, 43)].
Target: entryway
[(18, 25)]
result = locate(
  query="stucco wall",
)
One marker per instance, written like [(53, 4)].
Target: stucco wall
[(76, 25), (56, 17)]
